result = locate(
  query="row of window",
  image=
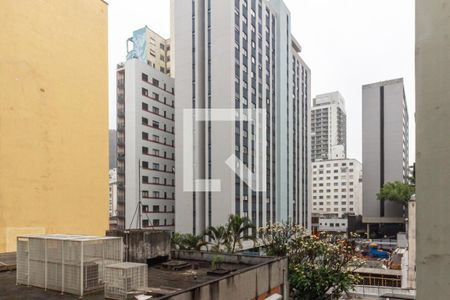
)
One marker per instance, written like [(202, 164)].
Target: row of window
[(157, 167), (156, 208), (155, 124), (336, 209), (157, 153), (155, 138), (155, 110), (334, 203), (335, 190), (155, 82), (155, 96), (334, 196), (157, 195), (343, 164), (157, 180), (156, 222), (333, 224)]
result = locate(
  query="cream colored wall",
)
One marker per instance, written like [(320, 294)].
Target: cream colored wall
[(433, 148), (53, 118)]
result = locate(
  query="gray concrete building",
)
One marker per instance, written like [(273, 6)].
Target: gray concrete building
[(433, 148), (240, 55), (112, 149), (328, 127), (385, 148), (145, 146)]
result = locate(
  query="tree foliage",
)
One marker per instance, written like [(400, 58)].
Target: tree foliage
[(396, 191), (228, 237), (276, 237), (320, 267), (219, 238), (238, 229), (187, 241)]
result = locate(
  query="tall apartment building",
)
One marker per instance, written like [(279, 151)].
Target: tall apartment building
[(54, 118), (240, 55), (337, 187), (112, 193), (328, 127), (145, 147), (148, 46), (385, 147)]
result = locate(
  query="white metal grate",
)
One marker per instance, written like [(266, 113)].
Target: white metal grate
[(68, 263), (122, 278)]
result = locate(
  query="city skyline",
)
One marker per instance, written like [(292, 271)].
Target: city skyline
[(370, 52)]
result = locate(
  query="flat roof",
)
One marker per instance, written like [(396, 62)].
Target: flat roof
[(383, 83), (70, 237), (162, 282)]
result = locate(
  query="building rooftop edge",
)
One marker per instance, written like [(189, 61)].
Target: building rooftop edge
[(383, 83)]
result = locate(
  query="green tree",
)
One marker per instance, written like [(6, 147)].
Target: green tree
[(237, 229), (396, 191), (320, 267), (187, 241), (219, 237), (275, 238)]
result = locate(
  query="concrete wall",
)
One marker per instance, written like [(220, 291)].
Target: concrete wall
[(268, 276), (141, 245), (433, 148), (53, 118)]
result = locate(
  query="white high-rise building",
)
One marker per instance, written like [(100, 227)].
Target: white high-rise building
[(145, 143), (385, 147), (240, 55), (328, 127), (337, 187)]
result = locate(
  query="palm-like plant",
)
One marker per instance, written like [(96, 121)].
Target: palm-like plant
[(237, 229), (188, 241), (219, 237)]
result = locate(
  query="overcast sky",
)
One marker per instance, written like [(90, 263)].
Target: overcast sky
[(346, 43)]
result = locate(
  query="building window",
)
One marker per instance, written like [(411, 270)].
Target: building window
[(144, 150), (155, 222), (145, 179), (144, 106), (155, 208), (144, 121), (144, 77), (144, 92), (155, 82)]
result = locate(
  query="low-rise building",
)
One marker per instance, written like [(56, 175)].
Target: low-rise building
[(191, 275), (337, 187), (333, 224)]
